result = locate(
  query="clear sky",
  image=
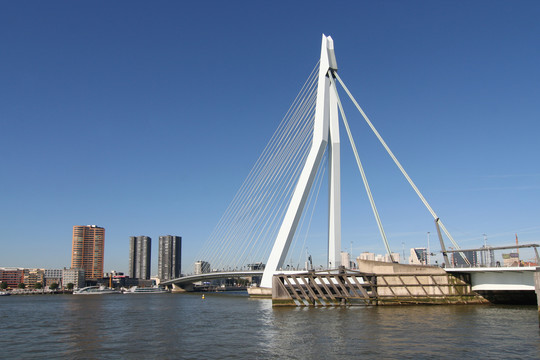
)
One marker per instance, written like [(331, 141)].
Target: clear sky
[(145, 117)]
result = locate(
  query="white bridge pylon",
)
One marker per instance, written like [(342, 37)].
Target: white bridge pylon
[(325, 134)]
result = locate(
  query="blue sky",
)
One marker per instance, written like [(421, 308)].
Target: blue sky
[(145, 118)]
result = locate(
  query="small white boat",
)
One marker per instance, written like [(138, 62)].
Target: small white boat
[(146, 290), (96, 290)]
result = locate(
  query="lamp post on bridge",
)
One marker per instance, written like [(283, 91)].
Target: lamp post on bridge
[(428, 250), (485, 252)]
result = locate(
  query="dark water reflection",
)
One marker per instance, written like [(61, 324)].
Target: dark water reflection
[(171, 326)]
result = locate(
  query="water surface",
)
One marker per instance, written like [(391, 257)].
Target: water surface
[(232, 326)]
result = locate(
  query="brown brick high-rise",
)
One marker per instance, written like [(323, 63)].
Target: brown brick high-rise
[(88, 249)]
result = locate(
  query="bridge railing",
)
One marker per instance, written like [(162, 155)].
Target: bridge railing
[(485, 257)]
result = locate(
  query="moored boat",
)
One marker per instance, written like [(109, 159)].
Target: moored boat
[(146, 290), (95, 290)]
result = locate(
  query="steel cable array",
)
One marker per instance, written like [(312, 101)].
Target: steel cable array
[(246, 231)]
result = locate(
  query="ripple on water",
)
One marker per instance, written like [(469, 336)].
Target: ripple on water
[(184, 326)]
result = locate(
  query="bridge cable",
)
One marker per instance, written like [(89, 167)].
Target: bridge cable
[(268, 191), (275, 198), (289, 187), (318, 183), (247, 215), (361, 168), (247, 189), (398, 164)]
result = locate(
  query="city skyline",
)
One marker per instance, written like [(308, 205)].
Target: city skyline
[(186, 97)]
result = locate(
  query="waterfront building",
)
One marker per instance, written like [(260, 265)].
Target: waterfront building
[(253, 266), (73, 276), (418, 256), (378, 257), (457, 260), (367, 256), (511, 259), (53, 276), (88, 249), (33, 276), (140, 250), (201, 267), (488, 256), (255, 280), (12, 276), (395, 256), (117, 280), (169, 257), (346, 260)]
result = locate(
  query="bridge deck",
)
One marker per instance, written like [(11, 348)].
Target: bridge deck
[(499, 278), (211, 276)]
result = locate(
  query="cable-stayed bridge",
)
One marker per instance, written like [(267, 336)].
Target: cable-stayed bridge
[(270, 215), (268, 220)]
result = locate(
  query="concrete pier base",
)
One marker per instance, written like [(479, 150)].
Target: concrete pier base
[(178, 289), (260, 292), (392, 284)]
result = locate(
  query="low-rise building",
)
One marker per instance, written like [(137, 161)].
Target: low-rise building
[(458, 261), (367, 256), (201, 267), (378, 257), (418, 256), (117, 279), (53, 276), (346, 260), (33, 276), (511, 259), (73, 276), (12, 276)]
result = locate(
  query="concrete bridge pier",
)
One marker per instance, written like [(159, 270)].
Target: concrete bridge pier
[(184, 288)]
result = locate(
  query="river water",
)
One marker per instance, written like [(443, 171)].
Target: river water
[(234, 326)]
